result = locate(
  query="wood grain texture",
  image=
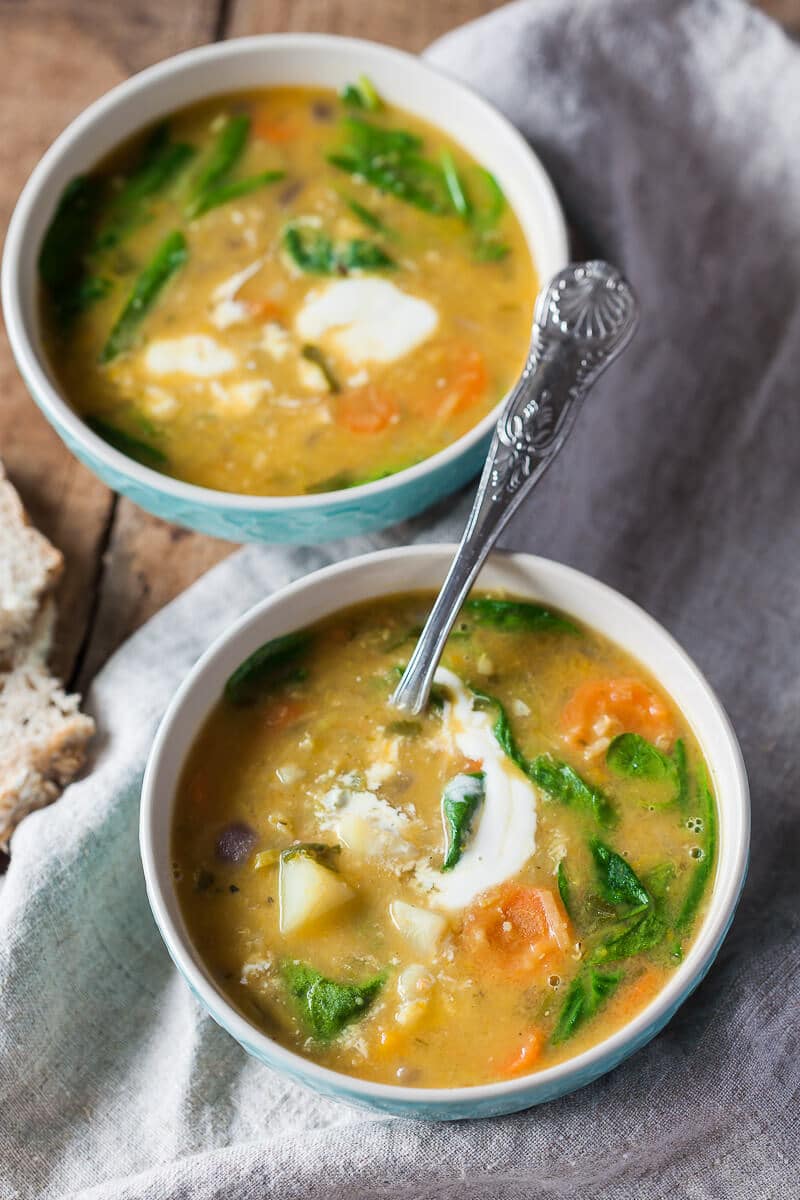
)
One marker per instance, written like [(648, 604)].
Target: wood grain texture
[(409, 24), (56, 56)]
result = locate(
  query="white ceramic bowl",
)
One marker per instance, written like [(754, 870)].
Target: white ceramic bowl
[(309, 59), (381, 574)]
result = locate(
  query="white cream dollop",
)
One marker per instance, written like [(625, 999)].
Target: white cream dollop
[(503, 835), (194, 354), (366, 320)]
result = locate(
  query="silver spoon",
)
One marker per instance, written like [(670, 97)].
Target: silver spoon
[(584, 318)]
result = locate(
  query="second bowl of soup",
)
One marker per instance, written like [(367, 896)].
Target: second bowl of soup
[(286, 309), (466, 911)]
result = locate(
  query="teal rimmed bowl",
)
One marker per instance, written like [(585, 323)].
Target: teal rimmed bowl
[(260, 62), (410, 569)]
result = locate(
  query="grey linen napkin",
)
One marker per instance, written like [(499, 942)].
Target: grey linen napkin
[(671, 131)]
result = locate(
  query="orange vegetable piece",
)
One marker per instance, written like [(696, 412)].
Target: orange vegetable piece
[(367, 409), (601, 709), (522, 930), (265, 310), (471, 765), (466, 381), (276, 127), (525, 1056)]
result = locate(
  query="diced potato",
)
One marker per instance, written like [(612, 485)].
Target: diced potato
[(422, 928), (307, 891), (356, 833)]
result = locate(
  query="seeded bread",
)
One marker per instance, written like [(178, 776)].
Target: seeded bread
[(43, 735), (29, 569)]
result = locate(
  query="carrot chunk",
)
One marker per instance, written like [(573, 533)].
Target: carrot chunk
[(367, 409), (601, 709), (525, 1056), (519, 930)]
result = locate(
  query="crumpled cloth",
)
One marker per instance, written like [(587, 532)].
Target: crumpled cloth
[(671, 130)]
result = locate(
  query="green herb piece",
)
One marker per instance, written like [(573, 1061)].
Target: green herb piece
[(619, 883), (220, 161), (705, 866), (91, 289), (563, 783), (389, 159), (161, 161), (310, 249), (314, 252), (682, 772), (554, 777), (168, 258), (126, 443), (586, 994), (321, 852), (273, 664), (643, 933), (460, 801), (516, 615), (487, 201), (326, 1006), (489, 248), (452, 179), (366, 216), (314, 355), (343, 480), (67, 240), (361, 255), (658, 881), (362, 94), (564, 889), (633, 756), (226, 192), (404, 728)]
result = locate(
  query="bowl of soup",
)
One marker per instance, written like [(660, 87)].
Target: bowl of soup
[(459, 914), (276, 288)]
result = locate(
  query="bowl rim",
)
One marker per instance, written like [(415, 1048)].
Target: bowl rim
[(57, 408), (584, 1066)]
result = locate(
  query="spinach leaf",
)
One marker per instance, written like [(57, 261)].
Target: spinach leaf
[(634, 757), (214, 197), (564, 889), (326, 1007), (168, 258), (126, 443), (563, 783), (489, 248), (362, 94), (460, 801), (369, 218), (273, 664), (516, 615), (705, 865), (619, 883), (361, 255), (314, 252), (454, 186), (645, 931), (554, 777), (67, 241), (586, 994), (314, 355), (161, 161), (220, 161)]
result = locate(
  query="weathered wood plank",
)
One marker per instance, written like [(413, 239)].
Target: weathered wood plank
[(55, 58), (399, 22)]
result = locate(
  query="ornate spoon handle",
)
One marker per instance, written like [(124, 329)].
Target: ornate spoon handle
[(584, 318)]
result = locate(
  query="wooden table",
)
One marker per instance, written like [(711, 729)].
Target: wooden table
[(55, 57)]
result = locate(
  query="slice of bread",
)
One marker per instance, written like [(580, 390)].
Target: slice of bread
[(30, 567), (43, 735)]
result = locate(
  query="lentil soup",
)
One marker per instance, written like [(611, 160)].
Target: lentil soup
[(458, 898), (286, 291)]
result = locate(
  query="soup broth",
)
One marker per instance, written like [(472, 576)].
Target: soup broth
[(453, 899), (286, 291)]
